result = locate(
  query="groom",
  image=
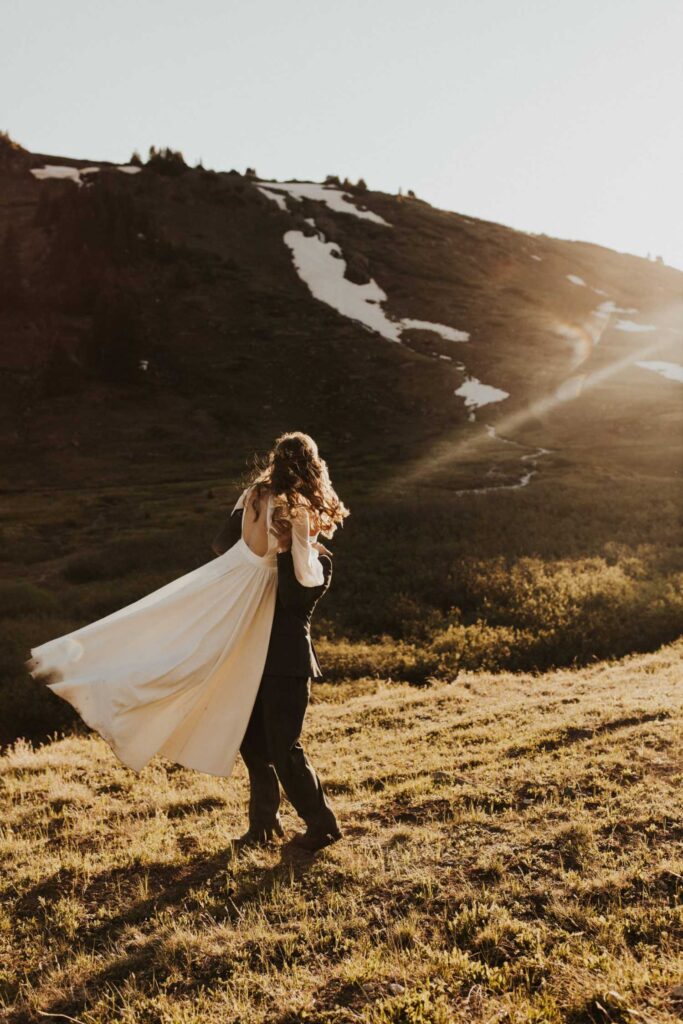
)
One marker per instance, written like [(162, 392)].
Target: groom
[(271, 748)]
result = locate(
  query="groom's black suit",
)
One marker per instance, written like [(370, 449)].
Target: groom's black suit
[(271, 748)]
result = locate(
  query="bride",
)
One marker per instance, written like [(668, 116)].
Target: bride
[(176, 673)]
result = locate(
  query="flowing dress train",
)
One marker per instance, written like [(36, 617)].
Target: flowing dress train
[(176, 673)]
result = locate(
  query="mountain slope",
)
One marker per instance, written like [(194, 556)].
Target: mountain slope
[(237, 348)]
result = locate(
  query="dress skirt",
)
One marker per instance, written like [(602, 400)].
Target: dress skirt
[(177, 672)]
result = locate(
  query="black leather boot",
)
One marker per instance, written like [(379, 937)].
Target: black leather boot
[(314, 839), (259, 836)]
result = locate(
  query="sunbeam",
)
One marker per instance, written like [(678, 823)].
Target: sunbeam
[(448, 452)]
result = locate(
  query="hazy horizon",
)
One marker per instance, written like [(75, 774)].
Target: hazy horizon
[(550, 120)]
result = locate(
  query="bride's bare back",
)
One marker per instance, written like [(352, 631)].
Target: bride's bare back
[(254, 524)]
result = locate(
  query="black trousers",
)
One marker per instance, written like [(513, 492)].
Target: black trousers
[(271, 750)]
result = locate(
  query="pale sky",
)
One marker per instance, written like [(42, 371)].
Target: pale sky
[(555, 117)]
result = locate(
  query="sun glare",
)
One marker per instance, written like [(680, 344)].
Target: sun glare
[(471, 440)]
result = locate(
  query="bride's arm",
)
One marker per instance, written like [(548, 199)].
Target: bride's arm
[(307, 565)]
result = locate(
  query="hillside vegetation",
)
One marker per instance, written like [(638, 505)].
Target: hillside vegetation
[(421, 590), (155, 332), (513, 851)]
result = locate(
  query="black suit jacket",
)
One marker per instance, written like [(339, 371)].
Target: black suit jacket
[(291, 651)]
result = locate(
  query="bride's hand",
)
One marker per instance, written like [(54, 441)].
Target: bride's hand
[(320, 548)]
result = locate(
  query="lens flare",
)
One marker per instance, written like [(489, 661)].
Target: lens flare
[(447, 452)]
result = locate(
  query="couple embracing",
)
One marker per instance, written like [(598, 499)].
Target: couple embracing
[(220, 661)]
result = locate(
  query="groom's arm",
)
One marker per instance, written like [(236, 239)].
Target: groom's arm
[(229, 533), (294, 595)]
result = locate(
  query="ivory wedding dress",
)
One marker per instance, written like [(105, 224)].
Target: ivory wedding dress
[(176, 673)]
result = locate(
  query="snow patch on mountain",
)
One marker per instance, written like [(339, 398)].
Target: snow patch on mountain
[(276, 197), (477, 394), (75, 174), (600, 317), (609, 307), (335, 199), (575, 279), (632, 327), (672, 371), (586, 335), (447, 333), (321, 266), (58, 173)]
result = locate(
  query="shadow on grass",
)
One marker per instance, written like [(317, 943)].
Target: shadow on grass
[(233, 881), (575, 734)]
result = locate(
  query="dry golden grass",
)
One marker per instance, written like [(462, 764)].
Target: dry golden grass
[(512, 852)]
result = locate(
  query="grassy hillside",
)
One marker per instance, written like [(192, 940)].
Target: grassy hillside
[(512, 852)]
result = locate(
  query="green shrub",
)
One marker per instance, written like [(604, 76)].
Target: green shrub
[(483, 646), (385, 659)]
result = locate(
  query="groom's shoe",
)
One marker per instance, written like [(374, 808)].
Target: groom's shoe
[(259, 836), (313, 840)]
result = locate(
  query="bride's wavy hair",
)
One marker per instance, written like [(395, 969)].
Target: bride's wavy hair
[(298, 477)]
